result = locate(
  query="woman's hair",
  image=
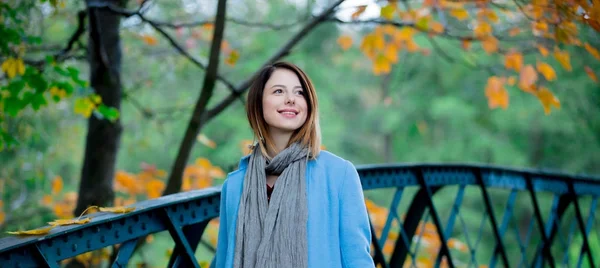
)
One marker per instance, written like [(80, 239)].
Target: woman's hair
[(309, 134)]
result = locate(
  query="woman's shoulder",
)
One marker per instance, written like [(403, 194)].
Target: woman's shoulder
[(331, 161)]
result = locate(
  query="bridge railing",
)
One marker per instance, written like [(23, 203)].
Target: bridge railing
[(434, 215)]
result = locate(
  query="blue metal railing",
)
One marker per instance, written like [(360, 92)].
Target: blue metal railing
[(551, 223)]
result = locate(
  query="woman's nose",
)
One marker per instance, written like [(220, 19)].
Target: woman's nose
[(289, 99)]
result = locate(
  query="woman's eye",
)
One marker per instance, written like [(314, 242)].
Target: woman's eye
[(278, 91), (299, 92)]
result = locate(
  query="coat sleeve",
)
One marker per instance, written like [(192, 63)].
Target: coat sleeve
[(355, 232), (222, 242)]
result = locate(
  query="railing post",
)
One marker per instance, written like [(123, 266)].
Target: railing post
[(538, 215)]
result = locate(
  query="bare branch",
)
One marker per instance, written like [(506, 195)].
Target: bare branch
[(210, 114), (275, 27)]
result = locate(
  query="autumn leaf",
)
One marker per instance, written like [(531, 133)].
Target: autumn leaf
[(387, 11), (543, 50), (490, 44), (84, 106), (117, 209), (404, 34), (513, 61), (57, 185), (489, 14), (345, 42), (232, 58), (591, 73), (483, 29), (12, 67), (496, 93), (41, 231), (465, 44), (437, 27), (2, 217), (69, 222), (511, 81), (459, 13), (381, 65), (548, 99), (150, 40), (391, 53), (527, 78), (563, 58), (514, 31), (593, 51), (206, 141), (546, 70), (359, 11)]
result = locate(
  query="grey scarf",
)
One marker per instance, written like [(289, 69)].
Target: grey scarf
[(273, 234)]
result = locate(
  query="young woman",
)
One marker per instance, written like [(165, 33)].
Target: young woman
[(290, 204)]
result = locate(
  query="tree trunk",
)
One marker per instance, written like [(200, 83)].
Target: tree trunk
[(103, 137)]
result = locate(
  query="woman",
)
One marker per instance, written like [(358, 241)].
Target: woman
[(290, 204)]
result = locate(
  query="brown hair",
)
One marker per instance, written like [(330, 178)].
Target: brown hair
[(309, 134)]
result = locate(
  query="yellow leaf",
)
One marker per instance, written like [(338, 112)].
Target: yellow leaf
[(83, 106), (388, 11), (345, 42), (117, 209), (150, 40), (2, 217), (96, 99), (359, 10), (69, 222), (543, 50), (459, 14), (546, 70), (514, 31), (404, 34), (513, 61), (527, 78), (154, 188), (563, 58), (591, 73), (592, 51), (548, 99), (412, 46), (233, 57), (206, 141), (57, 185), (41, 231), (381, 65), (13, 66), (203, 162), (490, 44), (489, 14), (483, 29), (391, 53)]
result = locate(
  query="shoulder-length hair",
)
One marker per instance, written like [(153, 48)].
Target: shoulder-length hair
[(309, 134)]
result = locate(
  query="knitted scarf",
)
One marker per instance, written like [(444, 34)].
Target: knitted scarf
[(273, 234)]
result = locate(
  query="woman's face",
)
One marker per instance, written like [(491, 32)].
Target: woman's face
[(284, 106)]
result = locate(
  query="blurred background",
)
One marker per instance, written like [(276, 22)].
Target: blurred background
[(482, 82)]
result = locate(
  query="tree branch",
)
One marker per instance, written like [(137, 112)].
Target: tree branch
[(271, 26), (283, 51)]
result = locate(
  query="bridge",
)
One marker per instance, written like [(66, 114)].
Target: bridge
[(433, 216)]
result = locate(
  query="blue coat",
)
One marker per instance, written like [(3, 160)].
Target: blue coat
[(338, 225)]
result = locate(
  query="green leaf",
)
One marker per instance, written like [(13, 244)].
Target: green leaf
[(423, 23), (38, 100), (13, 105), (37, 82), (61, 71), (110, 113), (15, 87)]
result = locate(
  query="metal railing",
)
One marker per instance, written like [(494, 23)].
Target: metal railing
[(438, 215)]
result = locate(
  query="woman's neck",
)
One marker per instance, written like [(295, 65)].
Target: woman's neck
[(281, 141)]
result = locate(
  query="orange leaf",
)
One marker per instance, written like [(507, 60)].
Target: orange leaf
[(150, 40), (546, 70), (548, 99), (391, 53), (527, 78), (47, 200), (591, 73), (381, 65), (496, 93), (359, 10), (57, 185), (489, 14), (513, 61), (345, 42), (41, 231), (511, 81), (459, 14), (404, 34), (437, 27), (563, 58), (514, 31), (466, 44), (490, 44), (203, 162), (483, 29), (233, 57), (543, 50), (69, 222), (592, 51), (2, 217)]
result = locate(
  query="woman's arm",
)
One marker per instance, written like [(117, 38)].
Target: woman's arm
[(355, 232), (221, 253)]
